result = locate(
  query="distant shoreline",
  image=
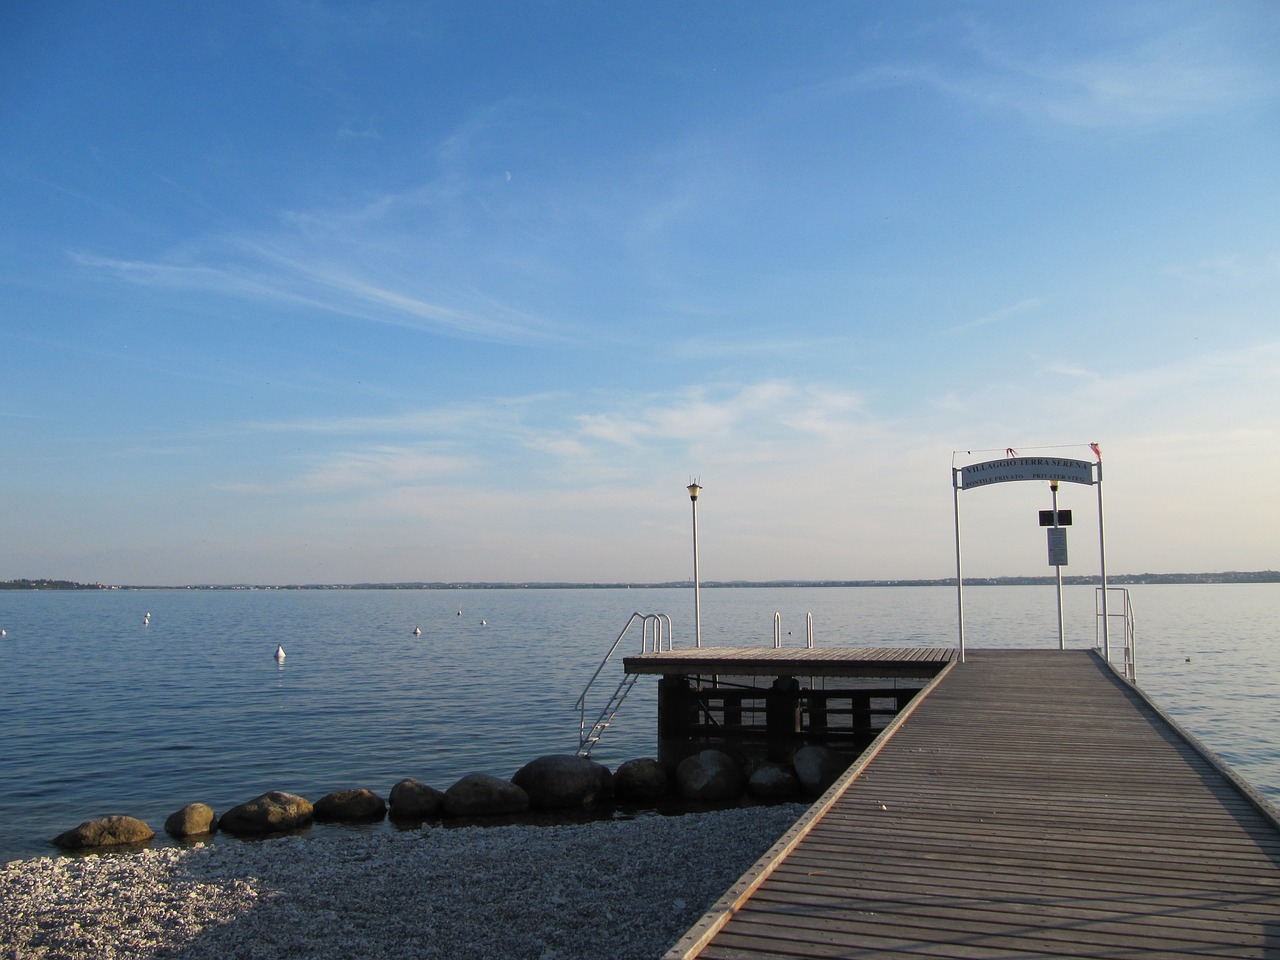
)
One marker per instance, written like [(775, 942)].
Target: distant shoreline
[(1124, 579)]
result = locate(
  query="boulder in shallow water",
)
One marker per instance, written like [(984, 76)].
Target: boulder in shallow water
[(710, 776), (273, 812), (564, 782), (351, 806), (480, 795), (414, 800), (643, 778), (818, 767), (104, 832), (193, 820)]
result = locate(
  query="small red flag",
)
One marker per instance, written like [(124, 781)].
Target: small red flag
[(1097, 451)]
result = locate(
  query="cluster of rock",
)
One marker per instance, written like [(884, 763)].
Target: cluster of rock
[(550, 783)]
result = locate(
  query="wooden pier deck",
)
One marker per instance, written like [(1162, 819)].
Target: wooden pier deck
[(800, 661), (1028, 804)]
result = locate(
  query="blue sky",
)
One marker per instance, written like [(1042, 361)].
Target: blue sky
[(332, 292)]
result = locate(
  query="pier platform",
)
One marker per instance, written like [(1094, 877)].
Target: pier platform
[(795, 661), (1023, 804), (758, 703)]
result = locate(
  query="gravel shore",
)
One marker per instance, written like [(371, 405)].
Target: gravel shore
[(612, 889)]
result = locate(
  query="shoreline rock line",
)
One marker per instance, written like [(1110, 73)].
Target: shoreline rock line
[(556, 782), (626, 889)]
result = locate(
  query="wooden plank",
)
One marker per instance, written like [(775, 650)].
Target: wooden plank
[(914, 662), (1032, 806)]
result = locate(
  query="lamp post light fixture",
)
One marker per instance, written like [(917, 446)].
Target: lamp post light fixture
[(694, 490)]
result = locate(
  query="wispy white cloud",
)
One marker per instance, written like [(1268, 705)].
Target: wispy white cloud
[(1167, 77), (1172, 77), (425, 256), (1028, 305), (270, 276), (1229, 270), (1074, 371), (519, 439)]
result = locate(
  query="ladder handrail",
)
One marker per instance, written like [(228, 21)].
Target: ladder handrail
[(777, 630), (655, 628), (1130, 636)]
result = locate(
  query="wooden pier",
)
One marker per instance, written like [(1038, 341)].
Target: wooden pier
[(1025, 804)]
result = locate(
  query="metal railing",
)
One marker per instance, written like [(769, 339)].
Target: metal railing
[(777, 630), (655, 636), (1102, 623)]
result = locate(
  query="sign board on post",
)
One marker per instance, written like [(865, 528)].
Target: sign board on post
[(1026, 468), (1046, 518), (1057, 546)]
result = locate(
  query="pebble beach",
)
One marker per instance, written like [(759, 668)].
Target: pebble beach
[(614, 889)]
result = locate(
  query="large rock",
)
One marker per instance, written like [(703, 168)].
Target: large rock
[(273, 812), (480, 795), (193, 820), (563, 782), (104, 832), (818, 767), (351, 806), (709, 776), (773, 781), (643, 778), (414, 800)]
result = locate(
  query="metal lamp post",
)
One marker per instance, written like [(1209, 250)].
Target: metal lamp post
[(1062, 637), (694, 490)]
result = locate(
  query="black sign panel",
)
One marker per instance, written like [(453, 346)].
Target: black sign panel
[(1046, 518)]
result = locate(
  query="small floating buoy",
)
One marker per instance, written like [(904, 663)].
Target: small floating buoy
[(484, 622), (279, 653), (417, 631), (459, 611), (3, 634)]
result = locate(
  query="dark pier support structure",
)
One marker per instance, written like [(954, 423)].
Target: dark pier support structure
[(783, 721), (765, 704)]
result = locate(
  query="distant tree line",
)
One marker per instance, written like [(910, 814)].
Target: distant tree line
[(48, 585), (1251, 576)]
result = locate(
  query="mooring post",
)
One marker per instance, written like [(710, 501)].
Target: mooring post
[(673, 718), (782, 719)]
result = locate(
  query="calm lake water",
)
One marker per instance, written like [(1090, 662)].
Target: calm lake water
[(101, 713)]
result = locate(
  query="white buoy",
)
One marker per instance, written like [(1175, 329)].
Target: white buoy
[(459, 611), (483, 622), (417, 631), (279, 653), (3, 634)]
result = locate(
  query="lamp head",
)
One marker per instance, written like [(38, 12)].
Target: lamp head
[(694, 490)]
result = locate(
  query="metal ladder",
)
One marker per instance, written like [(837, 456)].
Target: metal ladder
[(655, 629)]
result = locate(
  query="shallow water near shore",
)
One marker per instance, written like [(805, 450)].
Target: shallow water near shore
[(102, 712)]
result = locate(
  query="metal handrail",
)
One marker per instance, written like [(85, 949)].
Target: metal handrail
[(1107, 611), (655, 630), (777, 630)]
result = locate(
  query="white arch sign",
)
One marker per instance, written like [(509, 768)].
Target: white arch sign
[(1014, 468)]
